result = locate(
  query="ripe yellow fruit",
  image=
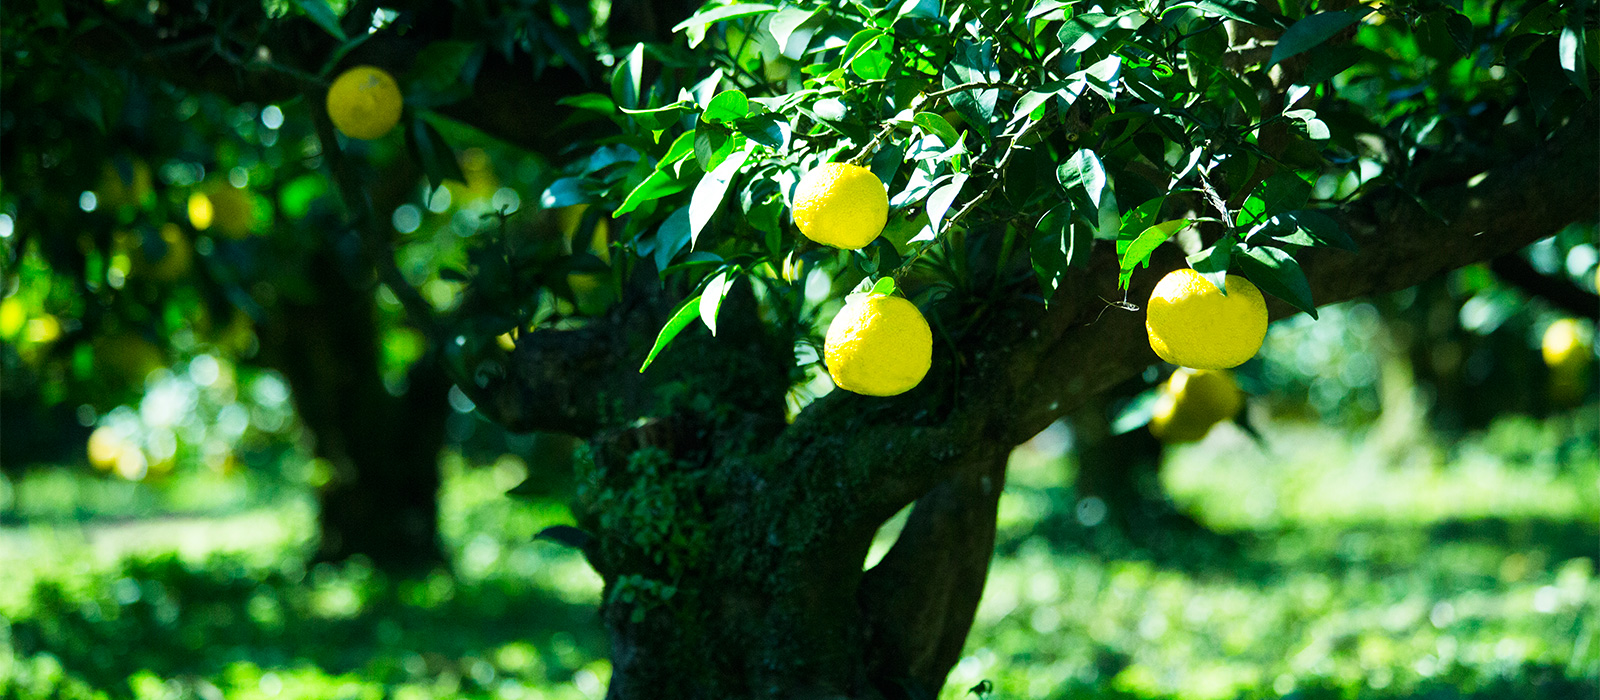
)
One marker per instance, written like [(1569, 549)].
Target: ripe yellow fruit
[(12, 317), (1192, 401), (841, 205), (230, 209), (364, 102), (878, 345), (1191, 324), (105, 448), (1566, 346)]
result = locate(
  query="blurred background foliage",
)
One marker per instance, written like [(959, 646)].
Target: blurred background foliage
[(1412, 513)]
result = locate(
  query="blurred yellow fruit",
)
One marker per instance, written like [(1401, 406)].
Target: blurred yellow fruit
[(364, 102), (200, 213), (1566, 346), (12, 316), (878, 345), (41, 329), (1192, 401), (105, 447), (1191, 324), (841, 205)]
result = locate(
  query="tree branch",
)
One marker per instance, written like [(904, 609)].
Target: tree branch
[(1028, 366), (1560, 293), (920, 600)]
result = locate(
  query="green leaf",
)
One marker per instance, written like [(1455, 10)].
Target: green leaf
[(671, 238), (1307, 33), (656, 118), (658, 185), (429, 148), (1249, 11), (768, 130), (711, 299), (564, 192), (884, 286), (1570, 50), (1304, 227), (1084, 172), (686, 314), (1212, 263), (1277, 273), (695, 27), (974, 63), (1047, 251), (940, 201), (590, 101), (628, 78), (1136, 253), (709, 193), (938, 126), (785, 28), (728, 105), (1137, 413), (318, 11), (441, 65), (682, 147), (1284, 191)]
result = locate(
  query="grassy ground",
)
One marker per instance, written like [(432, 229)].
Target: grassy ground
[(1333, 566)]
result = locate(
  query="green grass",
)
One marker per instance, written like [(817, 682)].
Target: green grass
[(1333, 565)]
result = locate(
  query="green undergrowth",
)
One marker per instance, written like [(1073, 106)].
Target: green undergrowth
[(1322, 565)]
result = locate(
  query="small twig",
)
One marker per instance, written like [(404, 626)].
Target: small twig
[(1215, 198), (986, 85), (999, 172)]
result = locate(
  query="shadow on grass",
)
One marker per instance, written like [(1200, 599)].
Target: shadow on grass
[(166, 617), (1159, 533)]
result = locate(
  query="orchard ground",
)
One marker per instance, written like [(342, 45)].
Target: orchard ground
[(1373, 560)]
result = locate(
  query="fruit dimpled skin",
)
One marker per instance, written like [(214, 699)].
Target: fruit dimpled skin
[(1191, 324), (841, 205), (878, 345), (364, 102)]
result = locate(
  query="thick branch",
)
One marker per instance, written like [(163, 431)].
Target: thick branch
[(1030, 366), (1559, 292), (919, 601)]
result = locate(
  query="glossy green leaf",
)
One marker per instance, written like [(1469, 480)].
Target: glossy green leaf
[(728, 105), (322, 14), (685, 315), (1277, 273), (711, 299), (1307, 33), (708, 195), (1136, 253)]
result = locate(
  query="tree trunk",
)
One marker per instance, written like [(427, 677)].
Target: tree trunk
[(758, 596), (380, 499)]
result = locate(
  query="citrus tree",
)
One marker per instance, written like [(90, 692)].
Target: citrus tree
[(971, 217)]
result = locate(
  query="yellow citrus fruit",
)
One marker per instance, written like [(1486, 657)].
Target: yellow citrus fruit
[(878, 345), (841, 205), (1192, 401), (200, 213), (364, 102), (1565, 346), (12, 317), (105, 447), (1191, 324)]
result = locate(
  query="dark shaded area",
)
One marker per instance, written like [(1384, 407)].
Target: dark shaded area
[(175, 620)]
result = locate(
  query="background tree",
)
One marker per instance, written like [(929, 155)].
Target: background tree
[(1042, 163)]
